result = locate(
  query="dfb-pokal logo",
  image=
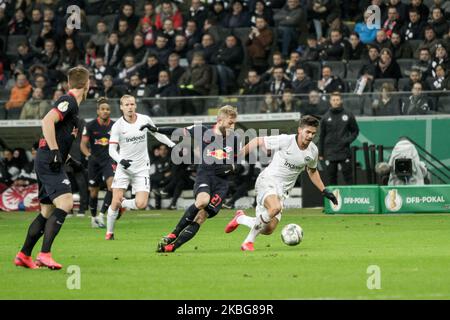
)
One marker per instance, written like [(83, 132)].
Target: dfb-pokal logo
[(393, 200), (337, 194)]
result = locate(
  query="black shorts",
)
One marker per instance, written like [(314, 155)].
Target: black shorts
[(216, 187), (99, 170), (51, 184)]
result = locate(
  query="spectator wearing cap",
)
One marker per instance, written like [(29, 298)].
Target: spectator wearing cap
[(161, 49), (174, 68), (387, 67), (19, 93), (169, 12), (101, 36), (238, 17), (288, 20), (438, 22), (357, 50), (366, 34), (414, 29), (109, 90), (127, 13), (259, 43), (36, 107)]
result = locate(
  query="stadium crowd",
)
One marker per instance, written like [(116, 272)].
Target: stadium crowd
[(290, 52)]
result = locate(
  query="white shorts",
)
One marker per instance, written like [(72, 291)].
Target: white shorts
[(265, 187), (140, 181)]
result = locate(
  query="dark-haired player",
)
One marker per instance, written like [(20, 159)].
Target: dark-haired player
[(100, 165), (293, 154), (59, 127)]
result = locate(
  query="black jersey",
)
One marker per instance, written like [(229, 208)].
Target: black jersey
[(66, 128), (98, 135), (216, 150)]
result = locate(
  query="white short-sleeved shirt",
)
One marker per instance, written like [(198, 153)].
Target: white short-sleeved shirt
[(289, 160)]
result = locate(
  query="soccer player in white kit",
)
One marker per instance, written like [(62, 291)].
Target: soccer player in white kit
[(133, 162), (293, 153)]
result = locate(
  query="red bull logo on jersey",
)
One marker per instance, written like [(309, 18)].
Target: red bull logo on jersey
[(218, 154), (102, 141)]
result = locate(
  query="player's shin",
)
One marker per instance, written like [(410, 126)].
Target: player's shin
[(106, 202), (246, 220), (186, 219), (35, 231), (93, 202), (111, 220), (260, 223), (52, 227), (187, 234)]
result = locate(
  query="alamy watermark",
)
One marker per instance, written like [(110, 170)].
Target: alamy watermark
[(74, 19), (374, 279), (74, 280)]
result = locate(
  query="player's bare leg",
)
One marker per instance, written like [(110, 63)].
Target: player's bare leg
[(113, 212), (264, 221), (188, 225), (138, 203)]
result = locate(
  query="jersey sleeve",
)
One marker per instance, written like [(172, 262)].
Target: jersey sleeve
[(276, 142), (114, 138), (313, 162), (65, 106)]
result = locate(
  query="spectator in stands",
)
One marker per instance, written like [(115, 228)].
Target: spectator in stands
[(100, 69), (276, 61), (312, 50), (357, 50), (181, 47), (137, 88), (72, 34), (229, 55), (429, 42), (440, 58), (69, 57), (40, 82), (440, 81), (438, 22), (387, 67), (56, 95), (149, 13), (174, 68), (127, 14), (36, 107), (393, 22), (287, 21), (417, 103), (164, 89), (424, 63), (101, 36), (161, 49), (138, 50), (10, 167), (444, 5), (289, 103), (366, 34), (162, 173), (414, 29), (258, 44), (197, 12), (26, 57), (335, 48), (279, 83), (270, 104), (147, 31), (109, 90), (302, 83), (19, 95), (335, 22), (295, 62), (90, 54), (386, 104), (253, 84), (400, 49), (330, 83), (318, 12), (207, 48), (421, 8), (381, 40), (238, 17), (191, 34), (168, 12), (45, 34), (314, 105), (217, 12), (261, 11), (129, 68), (94, 88), (112, 51), (125, 35), (19, 24), (36, 23), (169, 32), (149, 71), (49, 56), (414, 77), (402, 9)]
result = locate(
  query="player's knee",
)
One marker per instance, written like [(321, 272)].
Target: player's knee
[(201, 204), (273, 211), (141, 204), (67, 205)]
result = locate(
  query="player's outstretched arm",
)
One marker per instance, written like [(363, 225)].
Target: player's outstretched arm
[(249, 147), (317, 181)]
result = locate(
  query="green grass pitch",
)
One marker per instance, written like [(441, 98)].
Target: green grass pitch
[(412, 252)]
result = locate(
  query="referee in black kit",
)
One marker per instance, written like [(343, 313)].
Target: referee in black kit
[(59, 127)]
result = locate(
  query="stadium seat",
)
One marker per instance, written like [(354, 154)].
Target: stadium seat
[(402, 82), (443, 105), (3, 42), (316, 69), (353, 68), (92, 23), (415, 44), (379, 82), (13, 43), (351, 84), (109, 20), (337, 67), (84, 37), (405, 66), (353, 104)]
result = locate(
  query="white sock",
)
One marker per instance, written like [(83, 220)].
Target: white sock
[(129, 204), (260, 224), (111, 220), (246, 220)]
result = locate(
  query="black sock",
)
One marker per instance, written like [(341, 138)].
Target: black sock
[(35, 231), (187, 234), (186, 219), (106, 201), (93, 202), (52, 227)]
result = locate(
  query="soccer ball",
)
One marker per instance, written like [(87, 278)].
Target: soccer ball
[(292, 234)]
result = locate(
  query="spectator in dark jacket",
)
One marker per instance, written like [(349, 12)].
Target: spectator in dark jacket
[(330, 83), (302, 83), (438, 22), (127, 13), (253, 84), (161, 49), (149, 72), (258, 44), (175, 70), (314, 105), (165, 89), (287, 21), (387, 67), (400, 49), (261, 11), (386, 104), (417, 103), (207, 48), (229, 54), (109, 90), (414, 29), (237, 18), (357, 50)]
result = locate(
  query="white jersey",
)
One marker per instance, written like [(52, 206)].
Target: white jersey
[(133, 142), (288, 161)]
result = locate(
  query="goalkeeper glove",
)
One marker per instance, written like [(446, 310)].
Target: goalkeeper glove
[(125, 163), (328, 194), (56, 162)]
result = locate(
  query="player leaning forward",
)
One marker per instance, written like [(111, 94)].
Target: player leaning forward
[(293, 153), (129, 134)]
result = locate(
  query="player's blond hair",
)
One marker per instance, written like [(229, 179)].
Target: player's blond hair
[(126, 96), (227, 111), (78, 77)]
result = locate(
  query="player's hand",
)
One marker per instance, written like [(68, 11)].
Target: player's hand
[(328, 194), (56, 160), (149, 127), (126, 163)]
